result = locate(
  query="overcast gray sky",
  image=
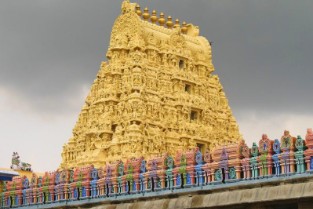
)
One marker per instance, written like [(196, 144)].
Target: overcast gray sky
[(50, 52)]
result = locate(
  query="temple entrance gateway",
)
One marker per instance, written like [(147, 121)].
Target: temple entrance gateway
[(155, 94)]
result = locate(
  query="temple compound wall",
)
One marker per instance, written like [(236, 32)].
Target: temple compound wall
[(155, 94), (272, 172)]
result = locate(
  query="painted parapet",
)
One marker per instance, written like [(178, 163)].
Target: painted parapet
[(245, 162), (299, 155), (169, 179), (287, 161), (188, 169), (119, 178), (276, 162), (13, 195), (265, 158), (93, 183), (219, 165), (30, 192), (309, 152), (110, 178), (155, 177), (2, 197), (184, 169), (179, 172), (199, 173), (47, 190), (224, 165), (129, 178), (80, 187), (191, 167), (237, 152), (207, 173), (254, 165), (101, 183), (62, 188), (132, 176)]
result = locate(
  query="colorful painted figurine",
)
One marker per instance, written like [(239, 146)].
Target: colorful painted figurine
[(17, 164)]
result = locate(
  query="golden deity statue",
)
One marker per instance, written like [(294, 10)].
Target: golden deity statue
[(155, 94)]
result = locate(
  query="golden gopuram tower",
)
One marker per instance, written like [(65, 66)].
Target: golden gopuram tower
[(155, 94)]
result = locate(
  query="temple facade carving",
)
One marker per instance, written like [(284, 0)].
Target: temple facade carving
[(155, 94)]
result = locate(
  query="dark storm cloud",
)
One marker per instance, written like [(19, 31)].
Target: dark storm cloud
[(50, 48), (262, 50)]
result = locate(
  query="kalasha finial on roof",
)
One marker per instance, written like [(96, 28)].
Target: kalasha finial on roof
[(177, 25), (161, 19), (138, 10), (154, 17), (169, 22), (146, 14), (184, 28)]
